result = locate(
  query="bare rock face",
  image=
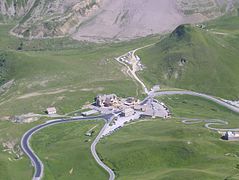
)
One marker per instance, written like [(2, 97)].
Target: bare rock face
[(55, 18), (14, 8), (104, 20), (126, 19)]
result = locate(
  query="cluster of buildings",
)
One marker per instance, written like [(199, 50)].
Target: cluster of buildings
[(106, 100), (124, 110), (129, 106), (128, 109)]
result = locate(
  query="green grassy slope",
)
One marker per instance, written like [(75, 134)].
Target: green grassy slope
[(197, 59), (62, 73), (5, 68), (63, 149), (196, 107), (56, 72), (64, 79), (11, 168), (169, 149)]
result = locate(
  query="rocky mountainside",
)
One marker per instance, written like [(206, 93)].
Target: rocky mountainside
[(13, 9), (55, 18), (125, 19), (98, 20)]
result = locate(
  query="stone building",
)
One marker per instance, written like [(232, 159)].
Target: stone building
[(106, 100)]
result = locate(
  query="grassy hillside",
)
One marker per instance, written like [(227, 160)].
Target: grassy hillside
[(168, 149), (55, 72), (198, 59), (65, 151), (62, 73), (67, 74), (10, 166), (4, 68)]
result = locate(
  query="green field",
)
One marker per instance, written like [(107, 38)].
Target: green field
[(10, 168), (55, 74), (169, 149), (68, 74), (63, 149), (203, 60), (196, 107)]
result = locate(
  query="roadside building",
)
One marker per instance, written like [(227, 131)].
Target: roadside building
[(51, 110), (229, 135), (128, 112), (88, 113)]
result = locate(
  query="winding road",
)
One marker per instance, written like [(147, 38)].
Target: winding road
[(183, 92), (94, 153), (208, 123), (37, 163), (205, 96)]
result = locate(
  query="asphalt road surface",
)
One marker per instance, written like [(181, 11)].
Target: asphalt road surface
[(208, 97), (209, 123), (37, 163), (94, 153)]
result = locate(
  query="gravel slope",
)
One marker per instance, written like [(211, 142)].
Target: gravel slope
[(101, 20), (124, 19)]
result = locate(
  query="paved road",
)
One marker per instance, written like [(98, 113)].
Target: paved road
[(94, 153), (205, 96), (37, 163), (208, 123), (153, 94)]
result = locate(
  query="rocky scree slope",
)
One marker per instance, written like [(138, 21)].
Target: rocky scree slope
[(100, 20), (55, 18), (14, 9)]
